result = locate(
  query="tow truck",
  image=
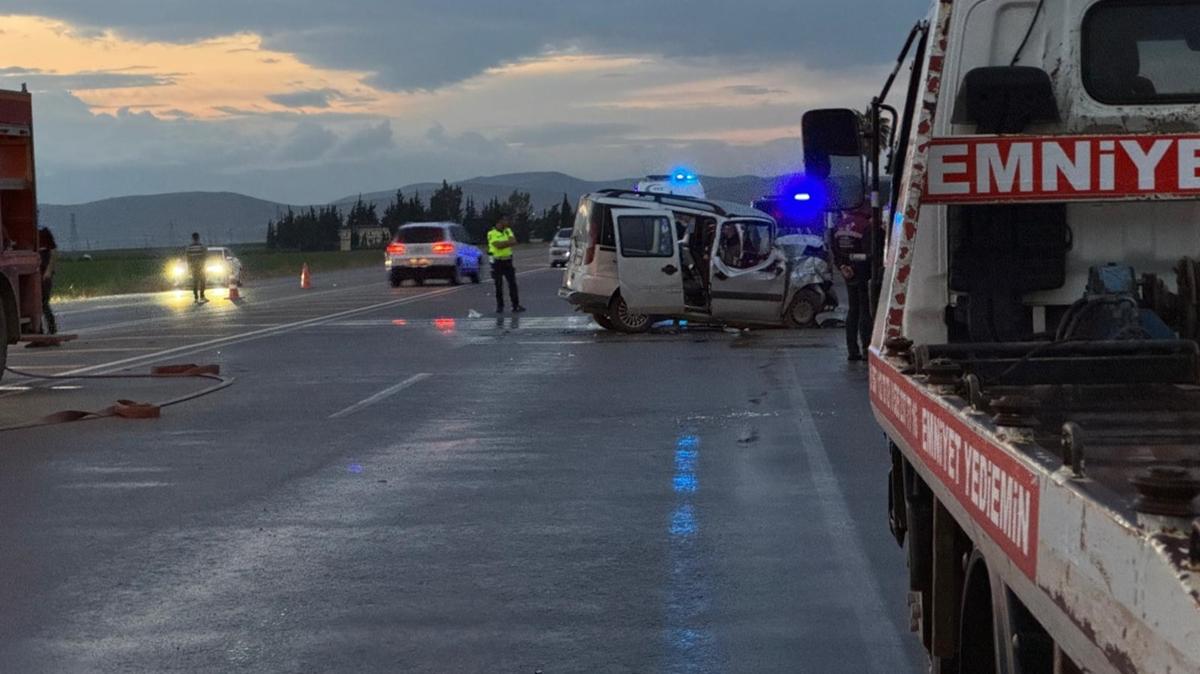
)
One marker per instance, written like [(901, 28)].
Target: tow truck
[(20, 277), (1036, 357)]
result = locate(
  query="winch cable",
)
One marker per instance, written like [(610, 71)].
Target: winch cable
[(127, 409), (1024, 41)]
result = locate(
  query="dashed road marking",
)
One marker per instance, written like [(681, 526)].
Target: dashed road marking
[(382, 395)]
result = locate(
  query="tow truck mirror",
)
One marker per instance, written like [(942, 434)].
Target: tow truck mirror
[(833, 154)]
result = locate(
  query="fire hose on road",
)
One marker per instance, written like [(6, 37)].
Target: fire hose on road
[(128, 409)]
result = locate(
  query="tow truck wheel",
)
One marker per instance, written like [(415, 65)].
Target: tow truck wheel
[(625, 320), (419, 280), (802, 313)]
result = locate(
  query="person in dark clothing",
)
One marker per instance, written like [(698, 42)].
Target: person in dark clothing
[(848, 243), (500, 242), (48, 252), (197, 256)]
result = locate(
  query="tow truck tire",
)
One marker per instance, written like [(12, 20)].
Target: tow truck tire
[(627, 321), (419, 280), (802, 312), (603, 321)]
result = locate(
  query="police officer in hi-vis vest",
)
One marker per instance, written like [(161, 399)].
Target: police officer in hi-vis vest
[(500, 247)]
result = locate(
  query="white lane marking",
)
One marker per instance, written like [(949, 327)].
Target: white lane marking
[(382, 395), (883, 647), (116, 485)]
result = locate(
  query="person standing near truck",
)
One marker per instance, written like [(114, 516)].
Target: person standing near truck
[(500, 247), (848, 243), (197, 254), (48, 260)]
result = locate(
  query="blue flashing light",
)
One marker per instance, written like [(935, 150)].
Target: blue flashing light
[(681, 175), (802, 196)]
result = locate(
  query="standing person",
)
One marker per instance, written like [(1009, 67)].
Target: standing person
[(48, 254), (500, 247), (848, 243), (197, 254)]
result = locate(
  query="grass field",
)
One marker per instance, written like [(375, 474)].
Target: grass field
[(122, 272)]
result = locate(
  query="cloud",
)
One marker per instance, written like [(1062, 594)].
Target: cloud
[(308, 141), (368, 141), (752, 90), (82, 81), (427, 44), (569, 133), (315, 98)]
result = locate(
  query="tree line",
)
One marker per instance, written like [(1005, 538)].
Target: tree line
[(320, 228)]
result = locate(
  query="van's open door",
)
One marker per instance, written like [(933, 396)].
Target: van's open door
[(648, 261), (749, 276)]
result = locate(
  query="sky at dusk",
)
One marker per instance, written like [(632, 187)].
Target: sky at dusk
[(306, 101)]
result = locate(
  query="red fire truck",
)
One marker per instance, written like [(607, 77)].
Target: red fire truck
[(20, 282), (1036, 356)]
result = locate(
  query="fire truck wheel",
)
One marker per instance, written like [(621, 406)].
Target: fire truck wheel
[(3, 343)]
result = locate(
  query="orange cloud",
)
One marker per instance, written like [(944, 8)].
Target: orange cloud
[(207, 79)]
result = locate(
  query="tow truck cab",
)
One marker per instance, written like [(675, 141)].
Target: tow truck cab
[(1035, 362)]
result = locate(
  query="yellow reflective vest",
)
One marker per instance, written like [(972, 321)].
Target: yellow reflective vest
[(495, 237)]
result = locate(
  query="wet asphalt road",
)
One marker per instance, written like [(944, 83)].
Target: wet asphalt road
[(393, 486)]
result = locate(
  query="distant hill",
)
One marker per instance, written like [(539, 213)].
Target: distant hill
[(163, 220)]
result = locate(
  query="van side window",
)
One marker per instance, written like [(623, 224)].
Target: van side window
[(646, 236)]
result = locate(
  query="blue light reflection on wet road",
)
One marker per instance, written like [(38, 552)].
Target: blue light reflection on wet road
[(690, 645)]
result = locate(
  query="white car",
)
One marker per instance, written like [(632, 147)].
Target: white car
[(560, 248), (220, 267), (425, 250)]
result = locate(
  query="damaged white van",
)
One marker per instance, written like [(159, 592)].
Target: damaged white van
[(637, 258)]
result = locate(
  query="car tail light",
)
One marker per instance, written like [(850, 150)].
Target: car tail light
[(395, 249), (443, 248)]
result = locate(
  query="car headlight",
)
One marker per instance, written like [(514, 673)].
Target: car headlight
[(217, 268), (176, 270)]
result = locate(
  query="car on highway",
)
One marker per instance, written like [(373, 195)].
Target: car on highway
[(560, 248), (220, 267), (425, 250), (638, 257)]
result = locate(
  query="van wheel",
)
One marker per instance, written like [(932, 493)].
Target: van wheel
[(604, 321), (625, 320), (456, 274), (475, 278), (802, 313)]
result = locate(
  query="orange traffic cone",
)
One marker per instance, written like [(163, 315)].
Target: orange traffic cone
[(234, 295), (305, 277)]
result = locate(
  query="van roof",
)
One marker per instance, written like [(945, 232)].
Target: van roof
[(429, 224), (675, 201)]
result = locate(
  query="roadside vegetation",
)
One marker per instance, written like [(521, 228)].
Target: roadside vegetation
[(135, 271)]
